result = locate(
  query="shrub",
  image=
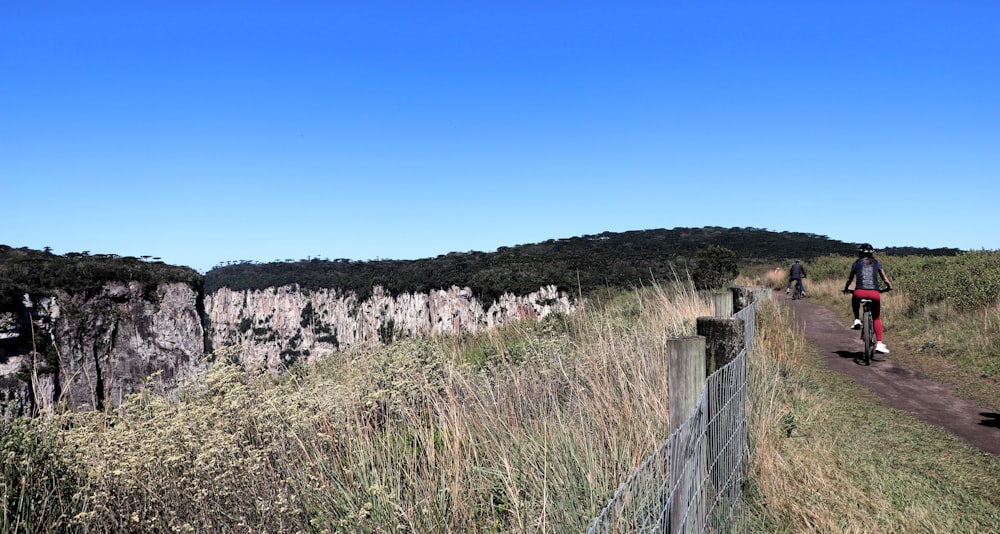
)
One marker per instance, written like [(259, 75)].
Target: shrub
[(966, 281), (714, 267)]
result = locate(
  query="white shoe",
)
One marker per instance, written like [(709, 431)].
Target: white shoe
[(787, 291), (856, 325), (881, 348)]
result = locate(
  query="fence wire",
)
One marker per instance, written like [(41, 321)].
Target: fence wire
[(693, 481)]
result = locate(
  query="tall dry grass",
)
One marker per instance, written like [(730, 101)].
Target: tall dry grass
[(525, 429)]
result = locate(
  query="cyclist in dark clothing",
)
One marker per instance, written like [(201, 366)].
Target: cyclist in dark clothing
[(796, 274), (867, 270)]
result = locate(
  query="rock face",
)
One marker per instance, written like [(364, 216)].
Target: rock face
[(91, 351), (277, 326)]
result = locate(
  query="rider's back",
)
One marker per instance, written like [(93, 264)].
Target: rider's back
[(866, 271)]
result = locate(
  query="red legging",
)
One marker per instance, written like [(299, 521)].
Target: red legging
[(876, 307)]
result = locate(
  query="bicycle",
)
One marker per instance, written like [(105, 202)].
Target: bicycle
[(868, 327), (799, 292)]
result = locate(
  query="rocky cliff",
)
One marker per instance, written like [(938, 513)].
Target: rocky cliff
[(90, 350), (277, 326)]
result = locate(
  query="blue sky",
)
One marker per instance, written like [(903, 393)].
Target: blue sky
[(211, 131)]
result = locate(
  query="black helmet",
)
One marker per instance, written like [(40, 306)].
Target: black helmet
[(866, 249)]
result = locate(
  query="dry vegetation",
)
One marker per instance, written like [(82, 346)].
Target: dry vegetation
[(525, 429)]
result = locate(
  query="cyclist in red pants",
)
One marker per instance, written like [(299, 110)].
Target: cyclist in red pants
[(867, 270)]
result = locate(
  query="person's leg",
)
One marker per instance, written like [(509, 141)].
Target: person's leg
[(876, 307), (876, 314)]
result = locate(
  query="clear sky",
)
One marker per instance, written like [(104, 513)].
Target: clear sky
[(211, 131)]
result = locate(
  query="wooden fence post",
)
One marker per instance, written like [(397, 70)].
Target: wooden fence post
[(742, 297), (724, 342), (723, 304), (686, 379)]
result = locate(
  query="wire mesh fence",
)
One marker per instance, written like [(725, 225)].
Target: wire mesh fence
[(693, 481)]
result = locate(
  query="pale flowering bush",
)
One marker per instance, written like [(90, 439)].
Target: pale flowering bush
[(203, 463)]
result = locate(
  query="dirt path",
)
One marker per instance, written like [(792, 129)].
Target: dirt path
[(899, 387)]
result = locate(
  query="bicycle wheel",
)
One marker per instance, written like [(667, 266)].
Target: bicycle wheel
[(868, 336)]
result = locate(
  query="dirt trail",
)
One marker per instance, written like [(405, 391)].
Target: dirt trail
[(899, 387)]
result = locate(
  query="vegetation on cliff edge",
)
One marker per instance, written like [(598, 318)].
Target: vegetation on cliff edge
[(24, 270)]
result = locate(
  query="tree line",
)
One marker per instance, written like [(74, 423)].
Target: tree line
[(576, 265)]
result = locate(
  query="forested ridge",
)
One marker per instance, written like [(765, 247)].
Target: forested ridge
[(576, 264)]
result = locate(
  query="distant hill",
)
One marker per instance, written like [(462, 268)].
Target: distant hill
[(585, 263)]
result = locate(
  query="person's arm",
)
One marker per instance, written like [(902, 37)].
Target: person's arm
[(850, 278), (888, 284)]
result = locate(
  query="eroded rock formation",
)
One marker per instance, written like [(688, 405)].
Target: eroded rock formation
[(277, 326), (90, 351)]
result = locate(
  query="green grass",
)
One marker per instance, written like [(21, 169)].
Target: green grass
[(851, 465)]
